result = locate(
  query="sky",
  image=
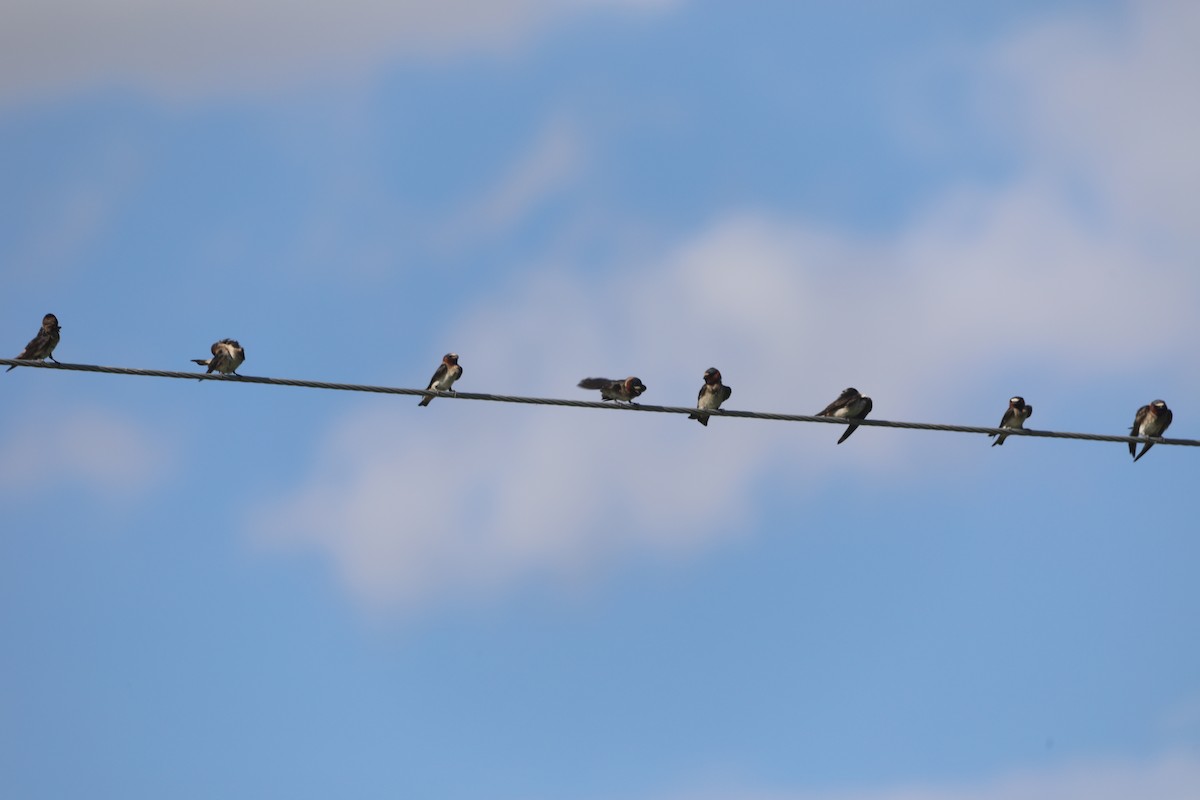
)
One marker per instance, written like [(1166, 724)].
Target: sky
[(222, 590)]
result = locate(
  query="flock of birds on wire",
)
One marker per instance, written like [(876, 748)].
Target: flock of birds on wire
[(1151, 420)]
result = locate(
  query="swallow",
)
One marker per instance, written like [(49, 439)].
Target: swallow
[(443, 377), (1152, 421), (850, 405), (1014, 417), (227, 356), (41, 346), (610, 389), (712, 394)]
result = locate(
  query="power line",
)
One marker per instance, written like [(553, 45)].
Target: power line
[(547, 401)]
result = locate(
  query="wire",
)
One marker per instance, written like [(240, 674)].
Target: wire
[(546, 401)]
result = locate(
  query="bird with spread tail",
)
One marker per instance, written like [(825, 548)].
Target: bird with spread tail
[(443, 377), (1151, 421), (851, 404), (712, 394), (1014, 417), (41, 346), (227, 356), (616, 390)]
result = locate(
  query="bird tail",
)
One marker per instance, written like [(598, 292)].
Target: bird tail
[(10, 369), (999, 439), (701, 418), (425, 400), (594, 383), (205, 362), (1144, 450), (849, 430)]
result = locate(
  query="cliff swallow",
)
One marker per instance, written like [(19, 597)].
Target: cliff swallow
[(1014, 417), (849, 405), (1152, 420), (227, 356), (443, 377), (41, 346), (611, 389), (712, 394)]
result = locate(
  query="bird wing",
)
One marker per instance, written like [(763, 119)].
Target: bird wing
[(438, 374), (1135, 429), (843, 398)]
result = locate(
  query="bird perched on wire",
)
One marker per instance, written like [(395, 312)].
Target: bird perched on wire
[(227, 356), (443, 377), (1153, 421), (712, 394), (1014, 417), (851, 404), (617, 390), (41, 346)]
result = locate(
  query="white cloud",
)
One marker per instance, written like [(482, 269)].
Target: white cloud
[(1170, 777), (187, 47), (1113, 100), (476, 500), (103, 452), (418, 504), (428, 505)]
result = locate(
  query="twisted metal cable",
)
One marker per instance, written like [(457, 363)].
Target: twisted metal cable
[(547, 401)]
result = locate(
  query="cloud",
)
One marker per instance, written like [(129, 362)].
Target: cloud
[(103, 452), (1169, 777), (467, 499), (1111, 100), (411, 515), (982, 290), (184, 48)]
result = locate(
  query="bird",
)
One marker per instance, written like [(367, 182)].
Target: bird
[(227, 356), (1014, 417), (41, 346), (610, 389), (443, 377), (851, 404), (1153, 421), (712, 394)]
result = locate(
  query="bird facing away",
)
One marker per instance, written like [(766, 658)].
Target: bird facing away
[(712, 394), (1014, 417), (443, 377), (851, 404), (617, 390), (227, 356), (41, 346), (1151, 420)]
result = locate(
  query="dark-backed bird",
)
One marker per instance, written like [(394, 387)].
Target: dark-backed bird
[(1014, 417), (443, 377), (712, 394), (1151, 420), (851, 404), (617, 390), (41, 346)]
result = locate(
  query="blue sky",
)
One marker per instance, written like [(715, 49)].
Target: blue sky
[(245, 591)]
